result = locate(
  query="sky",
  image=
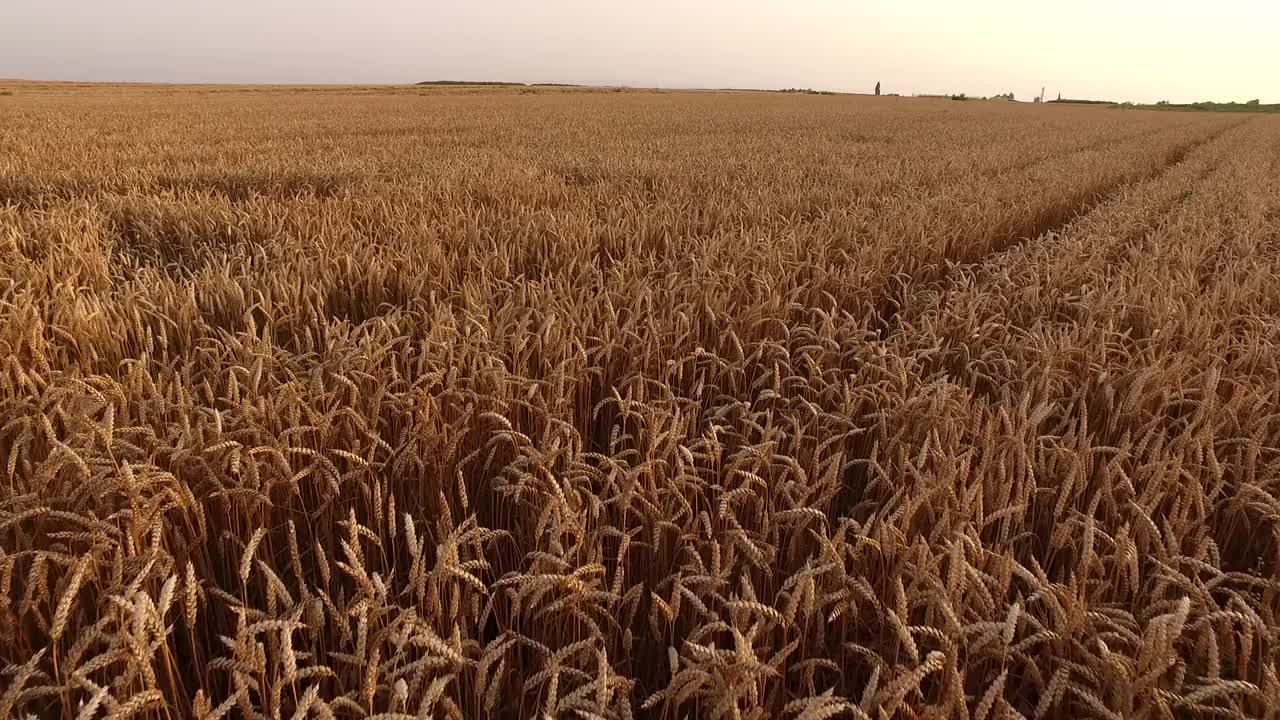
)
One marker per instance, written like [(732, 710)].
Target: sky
[(1140, 50)]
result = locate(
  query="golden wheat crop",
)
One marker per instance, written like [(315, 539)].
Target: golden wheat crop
[(388, 403)]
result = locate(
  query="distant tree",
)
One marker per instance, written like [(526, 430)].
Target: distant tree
[(1254, 101), (877, 87)]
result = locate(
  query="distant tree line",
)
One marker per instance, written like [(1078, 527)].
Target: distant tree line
[(807, 91), (1255, 106), (469, 82)]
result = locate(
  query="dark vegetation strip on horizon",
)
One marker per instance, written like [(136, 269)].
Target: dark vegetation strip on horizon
[(493, 83), (1252, 106)]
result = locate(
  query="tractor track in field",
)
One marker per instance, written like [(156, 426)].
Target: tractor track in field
[(1043, 226)]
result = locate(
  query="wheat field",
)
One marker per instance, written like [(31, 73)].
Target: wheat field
[(392, 403)]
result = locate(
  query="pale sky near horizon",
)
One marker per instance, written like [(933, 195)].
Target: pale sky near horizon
[(1143, 50)]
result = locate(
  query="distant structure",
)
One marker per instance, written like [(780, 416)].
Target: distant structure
[(877, 87), (1059, 97)]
